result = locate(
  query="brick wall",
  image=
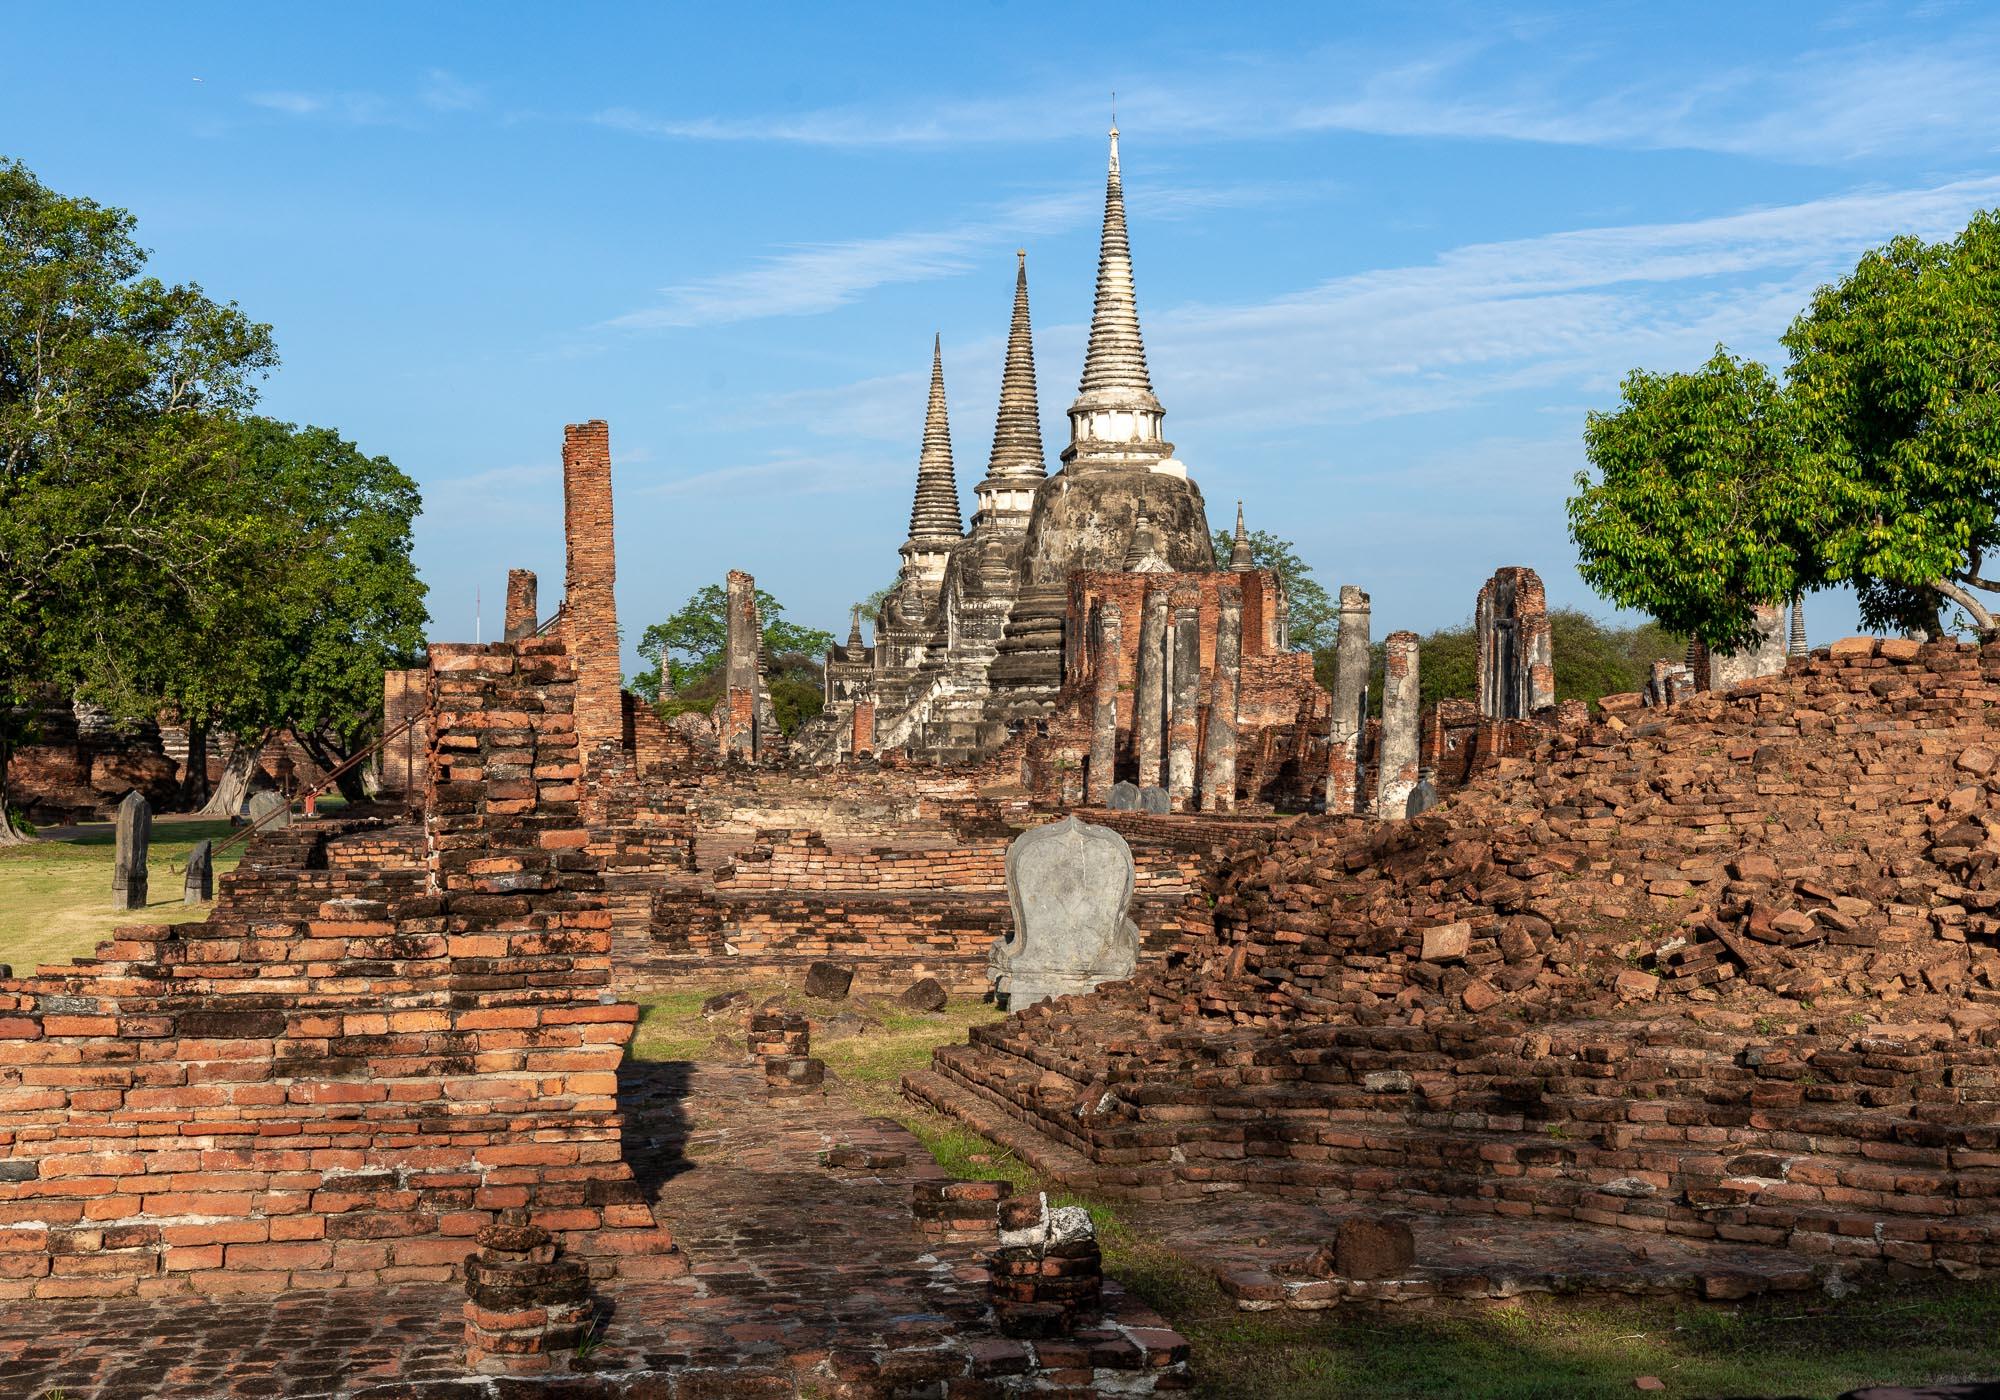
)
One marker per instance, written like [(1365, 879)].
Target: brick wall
[(266, 1101)]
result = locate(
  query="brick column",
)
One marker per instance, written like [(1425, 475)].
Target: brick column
[(863, 738), (1400, 701), (1184, 709), (521, 618), (1350, 702), (739, 668), (589, 602), (1149, 707), (1104, 706), (1218, 773)]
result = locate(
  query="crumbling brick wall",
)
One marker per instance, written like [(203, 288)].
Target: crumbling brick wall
[(257, 1103)]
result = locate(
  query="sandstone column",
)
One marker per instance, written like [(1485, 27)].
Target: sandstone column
[(1401, 702), (739, 668), (521, 619), (1218, 773), (128, 865), (1350, 702), (1184, 714), (1104, 706), (1149, 706), (589, 601)]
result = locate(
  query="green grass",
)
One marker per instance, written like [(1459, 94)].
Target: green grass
[(1535, 1348), (55, 895)]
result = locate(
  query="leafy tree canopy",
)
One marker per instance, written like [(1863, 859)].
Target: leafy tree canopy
[(1315, 615), (1875, 462), (158, 547), (689, 646)]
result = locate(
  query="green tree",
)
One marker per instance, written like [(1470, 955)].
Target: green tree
[(1315, 617), (327, 536), (1699, 515), (871, 606), (1876, 463), (158, 549), (111, 382), (689, 646)]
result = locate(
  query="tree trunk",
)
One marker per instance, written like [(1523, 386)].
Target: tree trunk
[(194, 780), (329, 758), (10, 835), (230, 794)]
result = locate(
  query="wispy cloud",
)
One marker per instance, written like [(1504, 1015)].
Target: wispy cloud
[(1575, 308), (820, 277), (1826, 104), (440, 91), (351, 108), (793, 473)]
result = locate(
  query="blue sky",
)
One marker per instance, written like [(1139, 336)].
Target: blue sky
[(1387, 257)]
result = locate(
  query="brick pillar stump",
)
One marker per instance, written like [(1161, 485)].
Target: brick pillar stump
[(1047, 1276), (779, 1034), (524, 1301)]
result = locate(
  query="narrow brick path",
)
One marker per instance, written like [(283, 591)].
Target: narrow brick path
[(801, 1275)]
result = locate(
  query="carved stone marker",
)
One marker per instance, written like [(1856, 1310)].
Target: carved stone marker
[(128, 869), (1423, 797), (1069, 884), (1124, 797), (265, 802), (1154, 800), (200, 886)]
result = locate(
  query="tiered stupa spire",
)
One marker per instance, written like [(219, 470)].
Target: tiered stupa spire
[(1114, 367), (1116, 419), (934, 518), (1017, 431)]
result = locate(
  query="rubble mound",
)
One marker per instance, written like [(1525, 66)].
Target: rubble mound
[(1831, 832), (1728, 974)]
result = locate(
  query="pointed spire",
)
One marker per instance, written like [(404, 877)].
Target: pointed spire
[(1017, 431), (1796, 646), (1239, 556), (934, 517), (854, 632), (1114, 367)]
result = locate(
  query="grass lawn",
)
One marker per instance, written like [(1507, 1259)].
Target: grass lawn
[(55, 895), (1535, 1348)]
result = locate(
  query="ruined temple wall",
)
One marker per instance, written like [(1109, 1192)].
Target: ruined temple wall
[(270, 1101)]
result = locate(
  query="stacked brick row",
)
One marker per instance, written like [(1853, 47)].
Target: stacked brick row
[(262, 1102), (1466, 1013)]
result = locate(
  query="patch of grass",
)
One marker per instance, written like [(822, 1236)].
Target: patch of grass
[(671, 1027), (55, 895), (1542, 1348)]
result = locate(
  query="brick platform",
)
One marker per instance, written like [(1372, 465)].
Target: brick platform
[(806, 1278)]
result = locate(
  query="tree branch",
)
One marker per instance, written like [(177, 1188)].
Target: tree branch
[(1981, 618)]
